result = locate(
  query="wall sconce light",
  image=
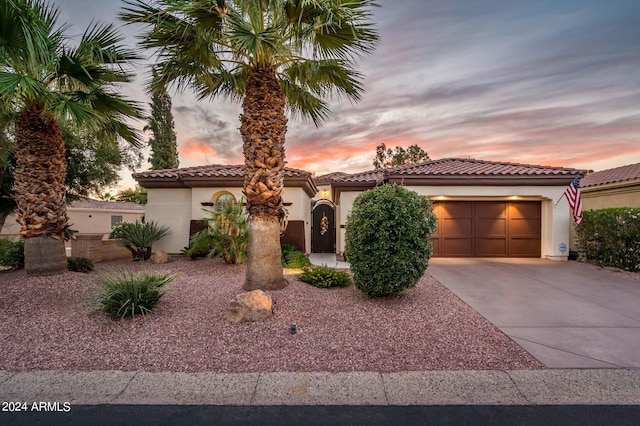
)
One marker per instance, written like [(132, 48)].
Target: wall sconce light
[(324, 194)]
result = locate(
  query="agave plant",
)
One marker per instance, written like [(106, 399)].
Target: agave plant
[(139, 237)]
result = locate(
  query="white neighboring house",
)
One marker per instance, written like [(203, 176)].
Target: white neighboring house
[(89, 217)]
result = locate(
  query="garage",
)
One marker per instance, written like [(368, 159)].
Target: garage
[(487, 229)]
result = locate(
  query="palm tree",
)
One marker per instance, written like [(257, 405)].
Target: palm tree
[(48, 83), (273, 55)]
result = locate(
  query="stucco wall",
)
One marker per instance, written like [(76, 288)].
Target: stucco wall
[(623, 194), (300, 209), (170, 207), (93, 221), (620, 194), (176, 207), (555, 218)]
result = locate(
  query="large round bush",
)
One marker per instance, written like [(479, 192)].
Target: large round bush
[(388, 239)]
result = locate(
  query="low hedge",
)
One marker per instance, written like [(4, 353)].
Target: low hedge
[(611, 237)]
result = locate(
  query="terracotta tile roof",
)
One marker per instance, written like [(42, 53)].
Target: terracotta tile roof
[(458, 168), (371, 176), (216, 175), (211, 170), (106, 205), (471, 167), (618, 174), (328, 178)]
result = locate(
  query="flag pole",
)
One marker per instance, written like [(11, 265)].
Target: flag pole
[(554, 206)]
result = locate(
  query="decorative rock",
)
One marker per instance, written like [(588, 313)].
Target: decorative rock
[(160, 257), (253, 306)]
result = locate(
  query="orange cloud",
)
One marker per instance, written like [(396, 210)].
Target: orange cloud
[(195, 150)]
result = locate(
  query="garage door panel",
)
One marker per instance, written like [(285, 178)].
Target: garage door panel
[(491, 228), (459, 209), (490, 209), (487, 228), (524, 210), (491, 247), (524, 247), (524, 228), (454, 247), (458, 227)]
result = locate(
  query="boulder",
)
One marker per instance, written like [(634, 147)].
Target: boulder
[(160, 257), (253, 306)]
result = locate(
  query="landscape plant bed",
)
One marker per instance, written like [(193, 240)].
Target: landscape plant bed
[(48, 324)]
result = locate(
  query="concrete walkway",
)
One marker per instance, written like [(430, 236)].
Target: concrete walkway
[(539, 387), (565, 314), (328, 259)]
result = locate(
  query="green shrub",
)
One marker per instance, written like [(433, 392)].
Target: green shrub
[(126, 293), (388, 239), (293, 258), (324, 277), (11, 253), (227, 235), (79, 264), (611, 237), (139, 237), (286, 249)]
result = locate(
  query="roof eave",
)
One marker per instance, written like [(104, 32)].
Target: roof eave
[(156, 182), (500, 180)]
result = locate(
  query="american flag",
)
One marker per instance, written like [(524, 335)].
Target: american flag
[(575, 202)]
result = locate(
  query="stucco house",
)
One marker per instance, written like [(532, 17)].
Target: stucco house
[(484, 208), (89, 216), (617, 187), (178, 198)]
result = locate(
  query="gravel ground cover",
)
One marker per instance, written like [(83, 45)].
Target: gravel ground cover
[(51, 323)]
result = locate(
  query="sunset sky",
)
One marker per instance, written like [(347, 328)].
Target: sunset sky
[(539, 82)]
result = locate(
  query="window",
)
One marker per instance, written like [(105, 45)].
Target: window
[(115, 221), (222, 198)]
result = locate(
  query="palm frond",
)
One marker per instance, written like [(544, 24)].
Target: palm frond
[(327, 77), (304, 104)]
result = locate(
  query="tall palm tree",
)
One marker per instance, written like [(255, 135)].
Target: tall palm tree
[(274, 55), (47, 83)]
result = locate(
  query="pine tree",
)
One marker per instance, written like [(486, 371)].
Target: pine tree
[(164, 152), (386, 157)]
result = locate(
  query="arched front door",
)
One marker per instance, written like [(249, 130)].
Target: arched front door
[(323, 232)]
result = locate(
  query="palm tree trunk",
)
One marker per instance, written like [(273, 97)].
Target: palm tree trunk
[(40, 192), (263, 128)]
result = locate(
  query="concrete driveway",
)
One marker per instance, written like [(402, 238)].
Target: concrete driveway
[(565, 314)]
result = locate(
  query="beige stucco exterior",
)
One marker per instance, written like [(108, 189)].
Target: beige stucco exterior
[(555, 218), (82, 220), (176, 207), (171, 207), (618, 194)]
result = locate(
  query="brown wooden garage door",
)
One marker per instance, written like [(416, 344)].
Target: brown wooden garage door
[(487, 229)]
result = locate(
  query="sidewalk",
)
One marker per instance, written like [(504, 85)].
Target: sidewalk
[(328, 259), (523, 387)]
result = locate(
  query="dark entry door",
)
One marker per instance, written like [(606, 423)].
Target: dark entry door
[(323, 235)]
